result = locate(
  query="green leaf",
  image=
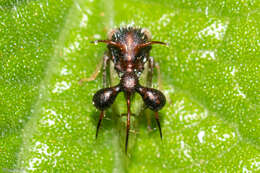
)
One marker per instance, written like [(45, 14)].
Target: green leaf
[(209, 73)]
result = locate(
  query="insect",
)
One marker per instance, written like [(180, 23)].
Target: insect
[(128, 49)]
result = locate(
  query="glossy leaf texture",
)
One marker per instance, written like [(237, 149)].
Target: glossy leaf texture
[(209, 74)]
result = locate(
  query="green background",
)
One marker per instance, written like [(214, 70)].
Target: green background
[(209, 72)]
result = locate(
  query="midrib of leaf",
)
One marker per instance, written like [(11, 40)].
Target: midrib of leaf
[(119, 159), (20, 71), (31, 127)]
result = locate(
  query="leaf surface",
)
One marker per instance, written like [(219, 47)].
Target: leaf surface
[(209, 74)]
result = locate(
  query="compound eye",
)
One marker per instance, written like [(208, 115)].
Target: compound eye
[(115, 51), (104, 98), (143, 51), (153, 99)]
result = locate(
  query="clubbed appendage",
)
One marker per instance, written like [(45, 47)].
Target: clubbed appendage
[(154, 100), (103, 99)]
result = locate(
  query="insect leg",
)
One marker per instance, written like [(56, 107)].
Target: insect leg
[(150, 72), (157, 66), (151, 66), (159, 79), (97, 70), (128, 121), (105, 66)]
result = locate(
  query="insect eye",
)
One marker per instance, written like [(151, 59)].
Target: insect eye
[(144, 49), (116, 51), (141, 53)]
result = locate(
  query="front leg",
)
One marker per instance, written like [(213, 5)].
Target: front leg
[(151, 65), (94, 75), (105, 68), (150, 72)]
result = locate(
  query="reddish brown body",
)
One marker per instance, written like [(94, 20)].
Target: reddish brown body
[(129, 51)]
